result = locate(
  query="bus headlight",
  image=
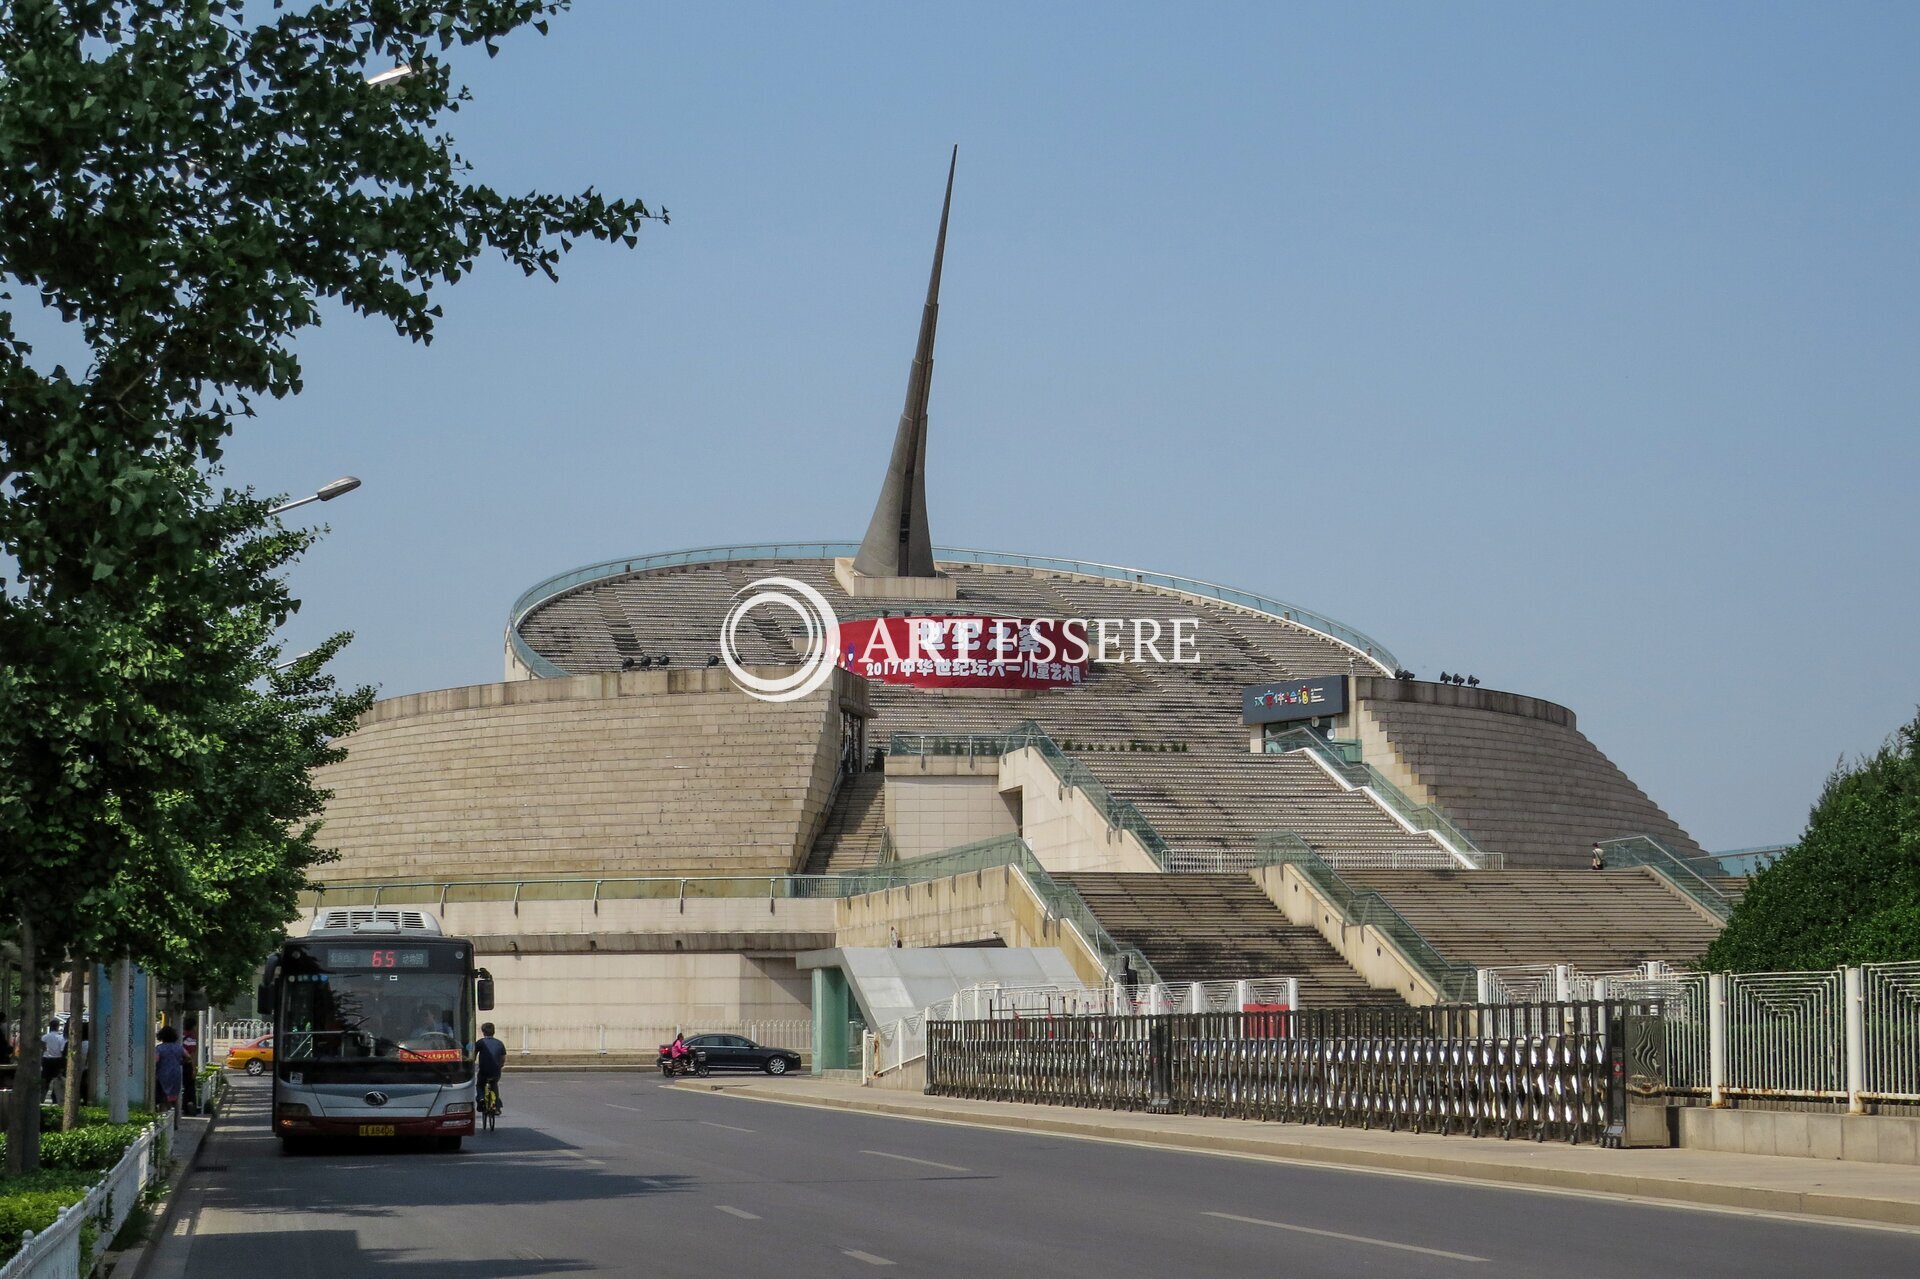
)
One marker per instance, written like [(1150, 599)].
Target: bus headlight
[(288, 1111), (459, 1108)]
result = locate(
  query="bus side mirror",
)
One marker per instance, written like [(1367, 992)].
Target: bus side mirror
[(483, 991)]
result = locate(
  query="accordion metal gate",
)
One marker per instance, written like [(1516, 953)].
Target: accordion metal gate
[(1508, 1070)]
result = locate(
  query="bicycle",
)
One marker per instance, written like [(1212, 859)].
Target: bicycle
[(489, 1106)]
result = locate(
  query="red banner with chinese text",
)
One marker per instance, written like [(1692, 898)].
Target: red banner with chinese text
[(967, 652)]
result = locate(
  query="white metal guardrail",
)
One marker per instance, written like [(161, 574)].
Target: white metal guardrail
[(247, 1028), (1843, 1035), (1562, 983), (554, 587), (55, 1253), (905, 1041), (1786, 1034), (1890, 1030), (631, 1039)]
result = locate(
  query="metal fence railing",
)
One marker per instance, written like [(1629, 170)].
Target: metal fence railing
[(1061, 901), (1786, 1034), (905, 1041), (1645, 850), (1890, 1039), (1455, 982), (1847, 1035), (545, 592), (1538, 1071), (1550, 983), (67, 1249), (1452, 848), (1455, 846), (597, 891), (642, 1039), (1119, 814)]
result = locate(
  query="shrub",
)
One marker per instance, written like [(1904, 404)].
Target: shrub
[(1849, 892), (94, 1148), (89, 1116), (33, 1201)]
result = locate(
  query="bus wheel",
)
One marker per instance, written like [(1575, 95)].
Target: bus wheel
[(450, 1145)]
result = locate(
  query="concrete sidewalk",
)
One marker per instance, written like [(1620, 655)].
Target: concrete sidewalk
[(1882, 1193)]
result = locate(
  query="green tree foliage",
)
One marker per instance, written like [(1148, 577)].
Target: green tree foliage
[(185, 186), (1849, 891)]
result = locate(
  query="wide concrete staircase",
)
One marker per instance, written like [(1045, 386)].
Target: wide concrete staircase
[(1217, 927), (856, 828), (1223, 804), (1603, 922)]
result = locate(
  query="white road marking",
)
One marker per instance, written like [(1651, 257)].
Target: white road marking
[(577, 1156), (741, 1213), (1335, 1234), (616, 1106), (729, 1127), (867, 1257), (180, 1227), (910, 1159), (1455, 1179)]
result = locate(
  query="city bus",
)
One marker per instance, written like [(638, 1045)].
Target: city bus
[(373, 1016)]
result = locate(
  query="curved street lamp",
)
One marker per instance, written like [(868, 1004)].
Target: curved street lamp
[(345, 484)]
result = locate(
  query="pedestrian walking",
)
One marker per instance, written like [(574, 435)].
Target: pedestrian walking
[(53, 1061), (169, 1068), (1599, 858)]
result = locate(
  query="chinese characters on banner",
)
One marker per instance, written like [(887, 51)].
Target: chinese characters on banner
[(968, 652)]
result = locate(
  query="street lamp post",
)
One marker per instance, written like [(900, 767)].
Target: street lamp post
[(345, 484)]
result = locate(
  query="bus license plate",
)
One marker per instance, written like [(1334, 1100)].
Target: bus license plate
[(376, 1130)]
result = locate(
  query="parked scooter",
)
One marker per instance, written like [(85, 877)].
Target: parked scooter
[(691, 1063)]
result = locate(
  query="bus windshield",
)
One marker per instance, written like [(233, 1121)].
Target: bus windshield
[(353, 1005)]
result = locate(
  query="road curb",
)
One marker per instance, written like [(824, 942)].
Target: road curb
[(1806, 1203), (132, 1263)]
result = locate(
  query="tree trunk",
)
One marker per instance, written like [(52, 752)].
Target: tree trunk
[(23, 1126), (120, 1041), (76, 1008), (90, 1061)]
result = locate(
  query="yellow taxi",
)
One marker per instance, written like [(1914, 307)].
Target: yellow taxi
[(253, 1056)]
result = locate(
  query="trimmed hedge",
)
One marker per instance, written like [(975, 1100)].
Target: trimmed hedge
[(33, 1201), (70, 1163), (92, 1115)]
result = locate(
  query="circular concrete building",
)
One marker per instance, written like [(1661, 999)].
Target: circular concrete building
[(1158, 776)]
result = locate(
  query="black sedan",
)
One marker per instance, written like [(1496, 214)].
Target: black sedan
[(737, 1052)]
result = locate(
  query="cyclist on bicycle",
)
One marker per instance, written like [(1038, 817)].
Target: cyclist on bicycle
[(490, 1057)]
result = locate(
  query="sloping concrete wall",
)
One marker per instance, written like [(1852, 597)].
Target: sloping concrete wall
[(992, 906), (1514, 772), (1368, 951), (1067, 830), (648, 773), (937, 802)]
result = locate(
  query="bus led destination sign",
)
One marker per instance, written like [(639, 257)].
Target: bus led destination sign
[(336, 957)]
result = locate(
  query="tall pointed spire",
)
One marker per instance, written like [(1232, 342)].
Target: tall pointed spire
[(898, 543)]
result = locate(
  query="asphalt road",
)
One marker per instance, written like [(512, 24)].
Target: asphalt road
[(616, 1174)]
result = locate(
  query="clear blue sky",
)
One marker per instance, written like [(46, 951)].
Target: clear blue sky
[(1571, 348)]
